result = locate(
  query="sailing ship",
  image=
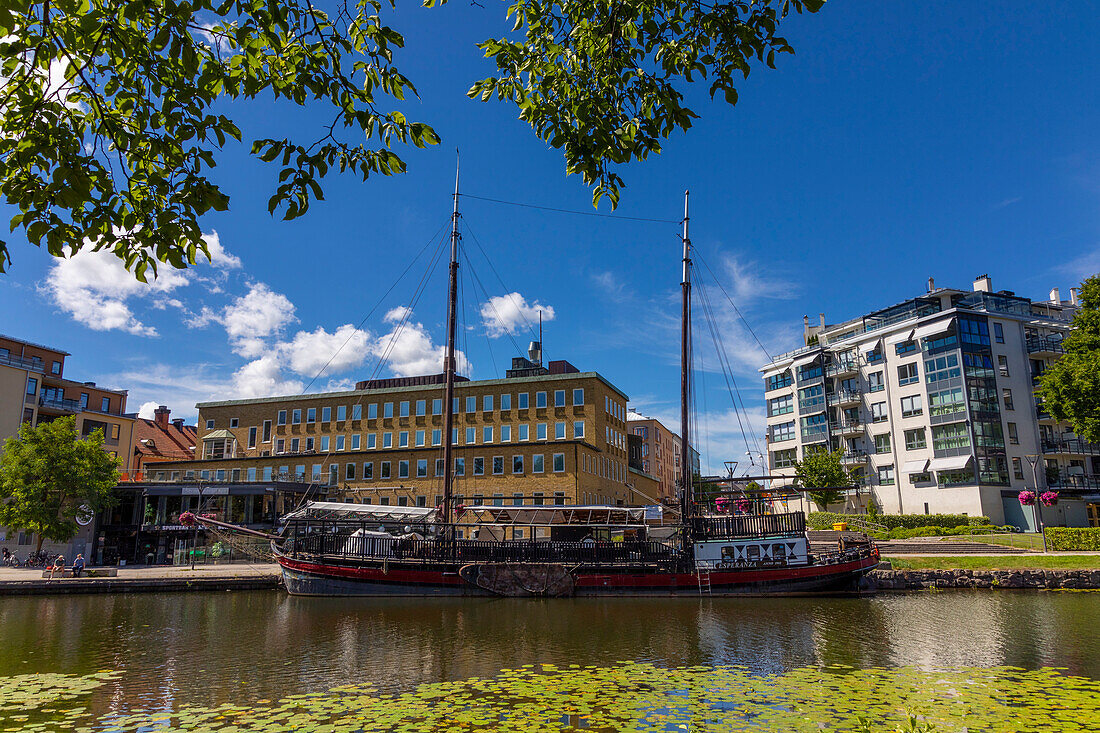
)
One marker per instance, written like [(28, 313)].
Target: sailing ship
[(340, 549)]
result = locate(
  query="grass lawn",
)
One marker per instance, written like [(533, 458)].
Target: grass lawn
[(1029, 540), (1006, 562)]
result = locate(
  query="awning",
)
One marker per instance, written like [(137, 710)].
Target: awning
[(555, 515), (932, 329), (806, 360), (216, 434), (951, 463), (208, 490), (918, 466), (901, 337)]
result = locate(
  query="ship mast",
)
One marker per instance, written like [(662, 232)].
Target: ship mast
[(449, 364), (687, 500)]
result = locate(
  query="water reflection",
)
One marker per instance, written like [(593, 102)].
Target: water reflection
[(241, 647)]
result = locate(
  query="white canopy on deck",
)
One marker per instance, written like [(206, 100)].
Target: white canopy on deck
[(364, 512)]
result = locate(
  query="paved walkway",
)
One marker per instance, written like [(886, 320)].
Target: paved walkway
[(139, 572)]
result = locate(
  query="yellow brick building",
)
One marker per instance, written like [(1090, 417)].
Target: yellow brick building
[(539, 436)]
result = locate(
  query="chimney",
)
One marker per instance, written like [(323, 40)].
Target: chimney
[(821, 319), (1055, 295), (160, 416), (1073, 296), (982, 284), (178, 422), (806, 321)]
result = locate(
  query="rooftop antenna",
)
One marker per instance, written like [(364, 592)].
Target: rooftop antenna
[(542, 348)]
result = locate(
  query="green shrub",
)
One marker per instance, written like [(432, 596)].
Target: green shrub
[(1063, 539), (825, 520)]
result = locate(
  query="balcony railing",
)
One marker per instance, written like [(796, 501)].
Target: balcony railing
[(849, 425), (843, 396), (853, 457), (20, 363), (1045, 345), (1074, 482), (58, 403), (1075, 446), (842, 366)]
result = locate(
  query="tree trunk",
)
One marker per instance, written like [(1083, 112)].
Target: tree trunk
[(38, 547)]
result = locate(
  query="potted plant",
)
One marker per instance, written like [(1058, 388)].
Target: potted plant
[(722, 505), (1049, 498), (744, 505), (1027, 498)]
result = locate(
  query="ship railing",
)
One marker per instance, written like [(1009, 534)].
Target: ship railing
[(398, 549), (842, 556), (749, 526)]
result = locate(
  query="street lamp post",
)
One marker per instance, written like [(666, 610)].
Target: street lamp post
[(1034, 461), (195, 536)]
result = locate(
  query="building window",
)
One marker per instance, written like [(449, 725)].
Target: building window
[(437, 436), (479, 466), (326, 414), (559, 463), (341, 413), (941, 368), (280, 445), (487, 403), (1007, 394), (105, 406), (878, 412), (946, 403), (55, 367), (783, 431), (1002, 364), (559, 431), (372, 440), (384, 469), (460, 467), (387, 440), (340, 442), (882, 443), (784, 458), (295, 417), (777, 381), (324, 443), (922, 477), (471, 404), (209, 424), (905, 347), (311, 415), (309, 445), (505, 402), (387, 410), (537, 463), (578, 397), (404, 408), (540, 399), (540, 431), (998, 332), (419, 438), (355, 442), (471, 436), (911, 406), (437, 407), (368, 471), (83, 400), (438, 467), (517, 464), (950, 437), (875, 382), (267, 431), (578, 428), (402, 469), (907, 374), (356, 412), (505, 433), (559, 398), (1017, 466), (780, 405), (421, 467), (914, 439), (886, 475), (524, 431), (1013, 435), (372, 411), (487, 434), (403, 439), (498, 465)]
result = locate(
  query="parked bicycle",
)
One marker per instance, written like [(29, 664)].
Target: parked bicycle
[(38, 559)]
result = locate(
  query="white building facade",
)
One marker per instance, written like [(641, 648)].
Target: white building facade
[(931, 402)]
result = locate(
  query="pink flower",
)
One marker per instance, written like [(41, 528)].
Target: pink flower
[(1049, 498), (187, 519), (1027, 498)]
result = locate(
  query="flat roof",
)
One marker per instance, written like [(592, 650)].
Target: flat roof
[(37, 346), (421, 388)]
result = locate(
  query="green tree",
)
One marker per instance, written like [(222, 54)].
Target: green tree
[(49, 477), (113, 112), (1070, 388), (822, 470)]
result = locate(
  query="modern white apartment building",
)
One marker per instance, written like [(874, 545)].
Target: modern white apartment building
[(932, 402)]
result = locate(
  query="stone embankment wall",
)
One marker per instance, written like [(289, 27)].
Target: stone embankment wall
[(995, 579)]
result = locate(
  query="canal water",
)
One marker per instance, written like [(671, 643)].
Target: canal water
[(177, 650)]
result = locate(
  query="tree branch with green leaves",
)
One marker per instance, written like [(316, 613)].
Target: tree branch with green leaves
[(1070, 387)]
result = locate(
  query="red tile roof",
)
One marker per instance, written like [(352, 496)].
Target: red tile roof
[(165, 440)]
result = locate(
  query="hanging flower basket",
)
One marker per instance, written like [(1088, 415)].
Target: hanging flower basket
[(187, 519), (1049, 498), (744, 505), (722, 505), (1027, 498)]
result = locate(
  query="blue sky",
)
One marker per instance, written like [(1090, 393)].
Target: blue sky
[(902, 141)]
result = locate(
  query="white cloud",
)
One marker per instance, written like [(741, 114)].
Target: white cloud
[(1080, 268), (503, 314), (263, 378), (612, 287), (310, 351), (253, 318), (147, 408), (747, 282), (95, 289), (397, 314), (410, 351), (219, 256)]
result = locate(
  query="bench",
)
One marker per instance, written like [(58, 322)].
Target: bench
[(88, 573)]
